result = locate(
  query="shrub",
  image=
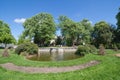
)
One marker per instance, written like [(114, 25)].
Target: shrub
[(85, 49), (93, 49), (101, 50), (20, 49), (118, 45), (27, 47), (5, 53), (81, 50), (115, 47)]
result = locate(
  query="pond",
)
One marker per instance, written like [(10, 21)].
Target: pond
[(55, 56)]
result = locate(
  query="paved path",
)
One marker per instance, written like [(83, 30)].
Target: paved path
[(11, 66)]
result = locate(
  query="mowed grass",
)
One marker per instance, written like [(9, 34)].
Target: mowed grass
[(108, 69)]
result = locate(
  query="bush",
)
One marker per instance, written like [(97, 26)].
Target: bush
[(93, 49), (118, 45), (85, 49), (115, 47), (27, 47), (101, 50), (5, 53)]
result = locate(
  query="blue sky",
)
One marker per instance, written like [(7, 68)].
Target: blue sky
[(14, 12)]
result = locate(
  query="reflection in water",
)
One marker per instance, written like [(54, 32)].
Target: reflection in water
[(60, 55), (57, 56)]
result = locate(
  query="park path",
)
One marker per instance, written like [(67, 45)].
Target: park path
[(11, 66)]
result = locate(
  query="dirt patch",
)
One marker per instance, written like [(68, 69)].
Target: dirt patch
[(11, 66), (118, 55)]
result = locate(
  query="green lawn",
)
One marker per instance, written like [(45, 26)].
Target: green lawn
[(108, 69)]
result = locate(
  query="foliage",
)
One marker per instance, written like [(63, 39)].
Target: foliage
[(102, 34), (92, 48), (75, 32), (5, 53), (88, 29), (82, 50), (59, 40), (40, 28), (115, 47), (101, 50), (68, 28), (118, 19), (118, 27), (22, 40), (5, 34), (118, 45), (29, 48), (85, 49)]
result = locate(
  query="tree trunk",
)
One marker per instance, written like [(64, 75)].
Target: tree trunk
[(73, 43)]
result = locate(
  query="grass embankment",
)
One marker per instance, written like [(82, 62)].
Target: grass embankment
[(108, 69)]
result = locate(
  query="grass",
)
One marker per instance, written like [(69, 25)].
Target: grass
[(108, 69)]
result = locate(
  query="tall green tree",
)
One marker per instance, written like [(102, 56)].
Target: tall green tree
[(75, 32), (40, 28), (68, 29), (88, 29), (118, 19), (5, 34), (102, 34), (118, 27)]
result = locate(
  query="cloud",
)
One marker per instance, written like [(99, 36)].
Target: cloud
[(19, 20)]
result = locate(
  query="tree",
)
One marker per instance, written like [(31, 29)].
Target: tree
[(69, 30), (102, 34), (5, 34), (118, 27), (40, 28), (22, 40), (75, 32), (118, 19), (88, 29)]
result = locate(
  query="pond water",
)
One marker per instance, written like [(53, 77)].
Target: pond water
[(55, 56)]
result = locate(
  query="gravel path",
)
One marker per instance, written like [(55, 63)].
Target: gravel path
[(11, 66)]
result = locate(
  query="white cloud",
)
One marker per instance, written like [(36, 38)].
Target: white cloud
[(19, 20)]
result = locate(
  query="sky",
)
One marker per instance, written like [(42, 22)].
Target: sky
[(15, 12)]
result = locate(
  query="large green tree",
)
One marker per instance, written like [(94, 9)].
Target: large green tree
[(5, 34), (88, 28), (69, 29), (118, 27), (41, 28), (118, 19), (102, 34), (75, 32)]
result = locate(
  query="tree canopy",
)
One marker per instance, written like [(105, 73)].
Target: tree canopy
[(5, 34), (75, 32), (102, 33), (118, 19), (88, 29), (41, 28), (118, 27)]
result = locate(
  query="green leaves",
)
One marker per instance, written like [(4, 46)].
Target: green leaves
[(102, 33), (5, 34), (74, 31), (118, 28), (40, 27)]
